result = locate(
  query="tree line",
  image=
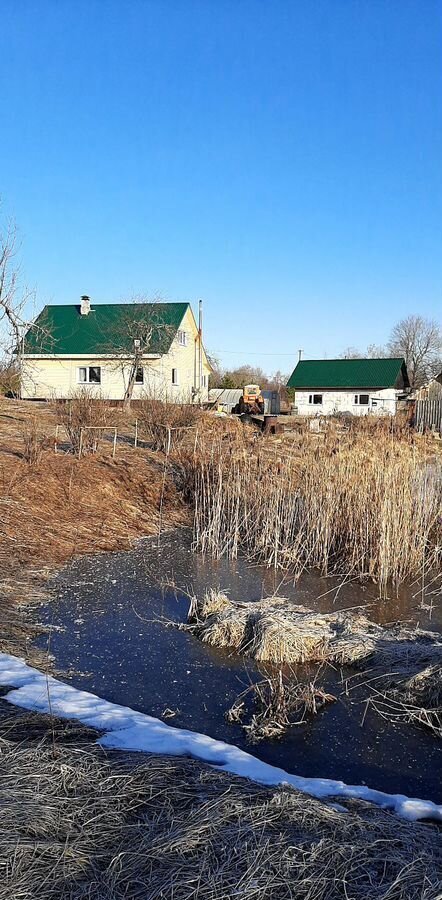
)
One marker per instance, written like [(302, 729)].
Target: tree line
[(417, 339)]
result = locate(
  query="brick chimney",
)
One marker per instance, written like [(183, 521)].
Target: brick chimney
[(85, 306)]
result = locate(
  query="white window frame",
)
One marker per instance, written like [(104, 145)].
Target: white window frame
[(182, 337), (311, 399), (175, 377), (87, 369), (358, 400)]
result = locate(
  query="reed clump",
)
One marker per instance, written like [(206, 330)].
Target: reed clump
[(367, 502), (276, 631)]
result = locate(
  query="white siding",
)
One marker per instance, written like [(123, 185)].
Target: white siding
[(382, 402)]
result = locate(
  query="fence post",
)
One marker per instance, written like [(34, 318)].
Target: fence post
[(136, 433), (80, 443)]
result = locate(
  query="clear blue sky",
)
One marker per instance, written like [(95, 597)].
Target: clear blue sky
[(281, 159)]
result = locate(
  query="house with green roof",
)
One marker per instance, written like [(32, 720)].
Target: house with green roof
[(357, 386), (117, 350)]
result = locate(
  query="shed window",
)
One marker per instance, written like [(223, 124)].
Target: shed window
[(89, 374), (315, 399), (139, 375), (174, 376), (182, 338), (362, 399)]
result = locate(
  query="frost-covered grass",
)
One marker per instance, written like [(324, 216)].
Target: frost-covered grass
[(81, 822)]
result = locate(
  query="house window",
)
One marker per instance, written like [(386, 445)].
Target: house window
[(174, 376), (182, 338), (139, 375), (203, 381), (315, 399), (362, 399), (89, 375)]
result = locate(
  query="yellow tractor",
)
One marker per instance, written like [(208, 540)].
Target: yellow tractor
[(251, 400)]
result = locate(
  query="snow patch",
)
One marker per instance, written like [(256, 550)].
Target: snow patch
[(131, 730)]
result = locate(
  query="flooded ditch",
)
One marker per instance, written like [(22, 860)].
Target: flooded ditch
[(112, 641)]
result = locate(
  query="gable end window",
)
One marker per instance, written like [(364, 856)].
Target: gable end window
[(315, 399), (174, 376), (89, 375), (139, 375), (362, 399), (182, 338)]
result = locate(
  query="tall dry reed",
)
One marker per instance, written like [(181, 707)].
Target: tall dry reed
[(369, 505)]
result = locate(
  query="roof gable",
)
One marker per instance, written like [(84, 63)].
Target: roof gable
[(349, 373), (61, 329)]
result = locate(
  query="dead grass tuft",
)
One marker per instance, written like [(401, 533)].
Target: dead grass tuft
[(279, 702)]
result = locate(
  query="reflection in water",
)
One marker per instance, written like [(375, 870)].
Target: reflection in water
[(115, 644)]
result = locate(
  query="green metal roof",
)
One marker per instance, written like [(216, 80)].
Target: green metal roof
[(109, 326), (349, 373)]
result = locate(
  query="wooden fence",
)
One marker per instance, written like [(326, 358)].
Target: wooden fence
[(428, 414)]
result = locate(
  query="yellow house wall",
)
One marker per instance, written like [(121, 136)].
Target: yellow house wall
[(57, 377)]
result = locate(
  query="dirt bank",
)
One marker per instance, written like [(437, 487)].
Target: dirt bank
[(62, 506)]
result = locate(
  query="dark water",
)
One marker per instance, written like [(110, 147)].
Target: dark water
[(115, 645)]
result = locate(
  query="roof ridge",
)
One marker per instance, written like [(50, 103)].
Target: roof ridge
[(350, 359)]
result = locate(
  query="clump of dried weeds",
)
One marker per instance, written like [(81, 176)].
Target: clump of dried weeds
[(279, 702)]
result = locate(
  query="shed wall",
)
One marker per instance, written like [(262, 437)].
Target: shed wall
[(383, 402)]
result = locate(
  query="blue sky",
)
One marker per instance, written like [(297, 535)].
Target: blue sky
[(280, 159)]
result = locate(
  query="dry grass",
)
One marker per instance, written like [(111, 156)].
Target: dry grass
[(83, 823), (279, 702), (365, 502), (414, 699)]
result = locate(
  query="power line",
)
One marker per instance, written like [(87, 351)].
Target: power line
[(254, 353)]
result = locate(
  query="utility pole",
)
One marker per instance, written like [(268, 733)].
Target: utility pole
[(200, 348)]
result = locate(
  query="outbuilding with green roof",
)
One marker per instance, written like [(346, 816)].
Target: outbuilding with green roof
[(357, 386)]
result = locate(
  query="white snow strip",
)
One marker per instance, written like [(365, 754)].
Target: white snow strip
[(130, 730)]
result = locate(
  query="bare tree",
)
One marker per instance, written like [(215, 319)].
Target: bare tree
[(350, 353), (419, 341), (14, 298), (376, 351), (136, 338)]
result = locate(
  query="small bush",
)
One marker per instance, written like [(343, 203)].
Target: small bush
[(85, 417), (162, 421), (34, 443), (9, 380)]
